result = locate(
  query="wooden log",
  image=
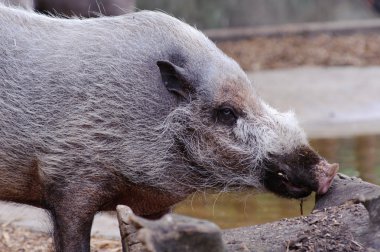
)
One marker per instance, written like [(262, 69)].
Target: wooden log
[(339, 222), (345, 189), (347, 218)]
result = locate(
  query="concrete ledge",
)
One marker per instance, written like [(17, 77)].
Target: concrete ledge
[(329, 102)]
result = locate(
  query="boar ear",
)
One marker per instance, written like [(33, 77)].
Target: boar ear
[(175, 79)]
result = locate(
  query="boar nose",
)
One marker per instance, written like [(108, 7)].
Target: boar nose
[(325, 175)]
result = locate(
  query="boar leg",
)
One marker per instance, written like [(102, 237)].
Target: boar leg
[(72, 214), (72, 233)]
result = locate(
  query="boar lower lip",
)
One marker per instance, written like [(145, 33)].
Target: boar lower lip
[(294, 187)]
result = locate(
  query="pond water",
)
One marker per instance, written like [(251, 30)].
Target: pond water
[(357, 156)]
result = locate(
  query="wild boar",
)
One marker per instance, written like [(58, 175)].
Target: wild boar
[(140, 109)]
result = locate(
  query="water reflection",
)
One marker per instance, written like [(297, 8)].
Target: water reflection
[(358, 156), (241, 209), (367, 158)]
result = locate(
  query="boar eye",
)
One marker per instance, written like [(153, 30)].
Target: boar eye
[(227, 115)]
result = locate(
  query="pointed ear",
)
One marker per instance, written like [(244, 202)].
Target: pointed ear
[(175, 79)]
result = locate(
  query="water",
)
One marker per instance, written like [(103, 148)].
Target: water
[(357, 156)]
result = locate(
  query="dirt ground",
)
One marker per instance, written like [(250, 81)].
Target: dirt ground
[(19, 239), (294, 51)]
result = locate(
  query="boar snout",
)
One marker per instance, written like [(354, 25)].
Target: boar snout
[(297, 174), (325, 173)]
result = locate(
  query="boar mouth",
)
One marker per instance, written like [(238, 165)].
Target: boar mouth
[(278, 182), (292, 175)]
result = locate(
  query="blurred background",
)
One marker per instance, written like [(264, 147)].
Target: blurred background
[(232, 13), (217, 13), (319, 58), (223, 13)]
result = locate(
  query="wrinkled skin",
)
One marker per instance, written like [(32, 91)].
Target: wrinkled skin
[(141, 110)]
